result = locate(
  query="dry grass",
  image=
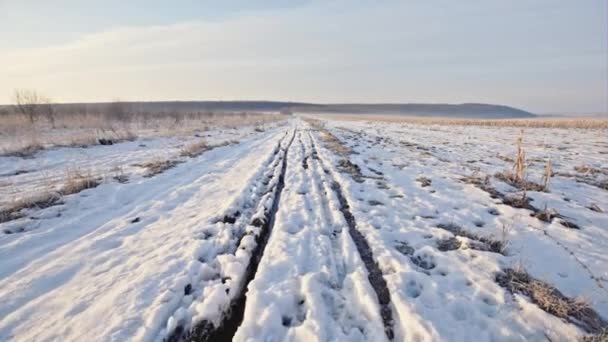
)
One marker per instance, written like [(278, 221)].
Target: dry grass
[(158, 166), (119, 174), (516, 177), (519, 166), (77, 180), (554, 122), (194, 149), (547, 175), (41, 200), (551, 300), (599, 337), (522, 184), (82, 127), (26, 151), (334, 144), (589, 170)]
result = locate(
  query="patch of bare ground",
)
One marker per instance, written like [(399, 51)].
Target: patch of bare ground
[(424, 181), (448, 244), (481, 242), (345, 165), (521, 184), (519, 202), (551, 300)]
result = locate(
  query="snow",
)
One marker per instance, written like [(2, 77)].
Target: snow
[(23, 177), (92, 274), (149, 258)]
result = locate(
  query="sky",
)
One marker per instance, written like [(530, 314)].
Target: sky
[(539, 55)]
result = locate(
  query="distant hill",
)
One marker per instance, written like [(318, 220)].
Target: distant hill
[(465, 110)]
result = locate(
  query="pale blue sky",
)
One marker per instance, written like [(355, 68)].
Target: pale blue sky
[(540, 55)]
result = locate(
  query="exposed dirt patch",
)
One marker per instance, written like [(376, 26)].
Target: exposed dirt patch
[(404, 248), (448, 244), (520, 202), (483, 243), (521, 184), (424, 182), (347, 166), (374, 203)]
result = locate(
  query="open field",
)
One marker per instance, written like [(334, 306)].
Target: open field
[(314, 228), (594, 122)]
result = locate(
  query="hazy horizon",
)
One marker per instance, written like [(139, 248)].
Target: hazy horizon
[(541, 56)]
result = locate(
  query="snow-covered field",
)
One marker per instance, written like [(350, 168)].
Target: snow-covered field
[(312, 231)]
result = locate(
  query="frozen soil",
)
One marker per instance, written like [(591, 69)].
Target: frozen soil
[(313, 231)]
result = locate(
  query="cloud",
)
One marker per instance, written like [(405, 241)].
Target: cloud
[(331, 51)]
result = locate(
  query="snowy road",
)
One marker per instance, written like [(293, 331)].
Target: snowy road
[(311, 284), (346, 233)]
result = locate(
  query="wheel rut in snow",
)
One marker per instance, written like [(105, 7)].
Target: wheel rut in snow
[(205, 331), (373, 270)]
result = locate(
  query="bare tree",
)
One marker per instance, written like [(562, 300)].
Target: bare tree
[(33, 105)]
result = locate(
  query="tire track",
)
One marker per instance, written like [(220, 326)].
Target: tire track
[(374, 273), (311, 279), (231, 223), (321, 188), (254, 241)]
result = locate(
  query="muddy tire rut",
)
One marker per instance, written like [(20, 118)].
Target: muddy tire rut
[(251, 221)]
